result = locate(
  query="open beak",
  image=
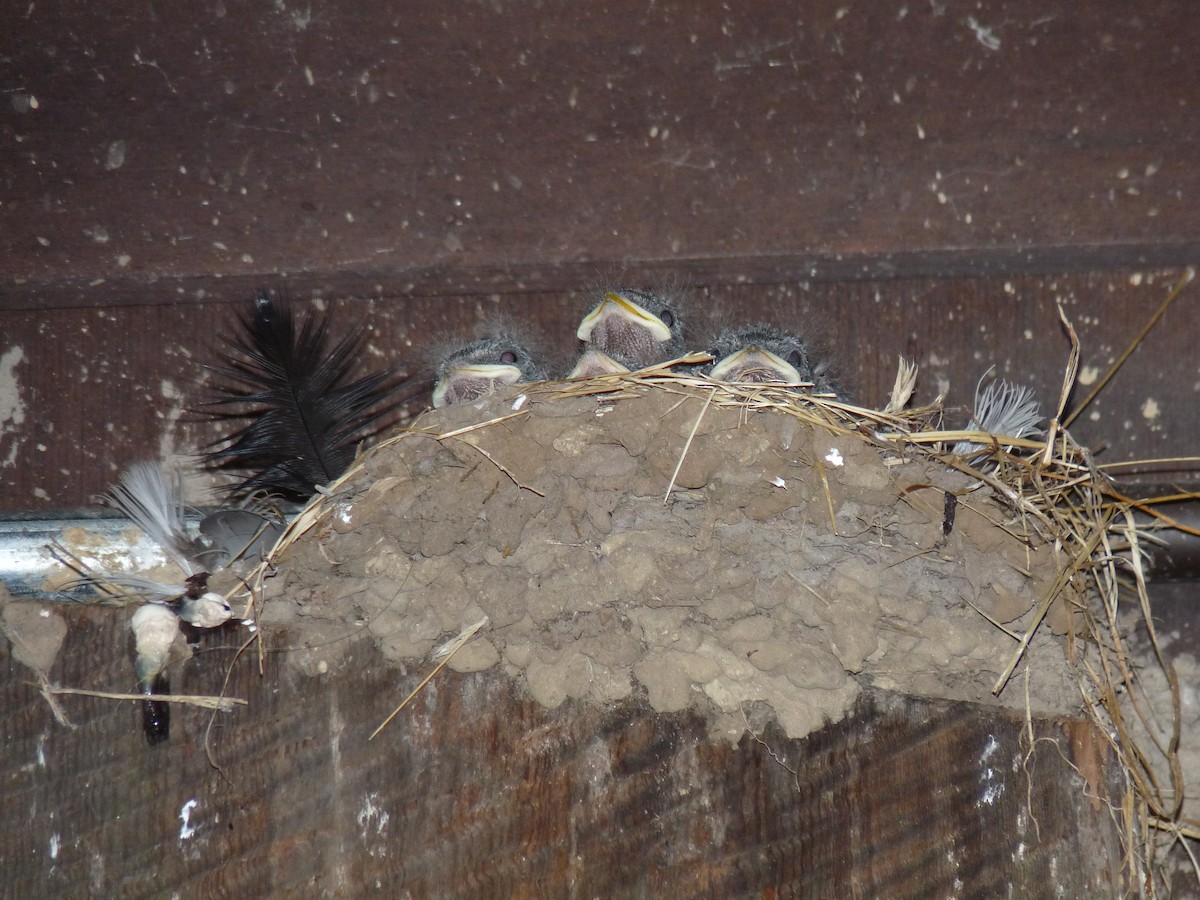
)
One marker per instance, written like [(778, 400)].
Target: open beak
[(617, 313), (755, 365), (593, 362), (463, 384)]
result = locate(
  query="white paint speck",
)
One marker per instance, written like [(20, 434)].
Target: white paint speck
[(55, 845), (187, 830), (12, 408), (1088, 375), (983, 34), (371, 817), (1150, 409), (992, 792), (778, 482), (834, 457), (990, 750), (115, 158)]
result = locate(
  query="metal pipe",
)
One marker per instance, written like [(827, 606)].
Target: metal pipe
[(106, 543)]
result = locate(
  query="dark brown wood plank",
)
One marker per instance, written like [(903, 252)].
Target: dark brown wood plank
[(475, 791), (464, 148)]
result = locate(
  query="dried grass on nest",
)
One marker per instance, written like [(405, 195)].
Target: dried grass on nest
[(1056, 493)]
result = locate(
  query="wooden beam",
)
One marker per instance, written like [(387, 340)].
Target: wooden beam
[(450, 150), (477, 791)]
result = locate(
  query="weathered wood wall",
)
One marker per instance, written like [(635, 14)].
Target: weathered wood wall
[(461, 149), (474, 791), (875, 164)]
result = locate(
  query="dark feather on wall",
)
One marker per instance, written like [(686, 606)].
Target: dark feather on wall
[(306, 417)]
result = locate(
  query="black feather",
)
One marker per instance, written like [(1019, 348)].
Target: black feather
[(306, 416)]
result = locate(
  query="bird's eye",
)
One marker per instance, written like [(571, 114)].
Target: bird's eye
[(795, 359), (508, 357), (667, 318)]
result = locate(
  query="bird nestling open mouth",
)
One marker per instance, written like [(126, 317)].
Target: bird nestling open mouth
[(633, 328), (480, 367)]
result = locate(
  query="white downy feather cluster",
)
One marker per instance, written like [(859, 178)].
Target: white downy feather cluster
[(1005, 409)]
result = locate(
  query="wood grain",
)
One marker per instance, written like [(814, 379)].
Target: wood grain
[(466, 148), (475, 791)]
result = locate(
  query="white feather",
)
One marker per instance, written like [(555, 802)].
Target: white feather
[(1005, 409), (154, 504)]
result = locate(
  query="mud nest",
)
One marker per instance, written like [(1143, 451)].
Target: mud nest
[(739, 553)]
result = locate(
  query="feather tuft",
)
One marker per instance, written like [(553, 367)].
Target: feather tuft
[(307, 417), (155, 504), (1005, 409)]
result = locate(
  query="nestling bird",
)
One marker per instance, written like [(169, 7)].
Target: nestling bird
[(762, 353), (633, 329), (470, 372)]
